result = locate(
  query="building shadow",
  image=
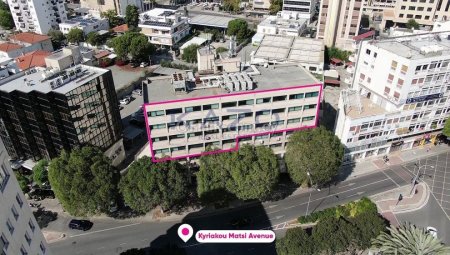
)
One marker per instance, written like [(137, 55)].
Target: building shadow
[(223, 219)]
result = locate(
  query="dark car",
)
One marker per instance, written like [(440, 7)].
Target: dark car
[(41, 194), (80, 224), (240, 222)]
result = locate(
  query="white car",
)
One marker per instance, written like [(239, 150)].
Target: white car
[(124, 101), (144, 64), (432, 231)]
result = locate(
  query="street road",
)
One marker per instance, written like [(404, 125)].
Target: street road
[(119, 237)]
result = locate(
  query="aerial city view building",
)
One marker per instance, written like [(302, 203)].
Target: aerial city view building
[(224, 127)]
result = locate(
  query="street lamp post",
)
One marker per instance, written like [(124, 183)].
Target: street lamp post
[(309, 200), (417, 176)]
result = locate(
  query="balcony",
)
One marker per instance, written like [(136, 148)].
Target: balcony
[(350, 69), (352, 58)]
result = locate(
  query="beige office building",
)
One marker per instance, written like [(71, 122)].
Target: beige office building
[(339, 22)]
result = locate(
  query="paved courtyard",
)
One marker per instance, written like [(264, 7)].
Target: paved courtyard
[(435, 171)]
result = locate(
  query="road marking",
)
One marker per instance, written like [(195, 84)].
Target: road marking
[(391, 179), (347, 185), (122, 244), (272, 206), (104, 230), (356, 194), (277, 217), (99, 248), (443, 184)]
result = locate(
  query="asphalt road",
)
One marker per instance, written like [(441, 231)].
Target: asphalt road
[(119, 237)]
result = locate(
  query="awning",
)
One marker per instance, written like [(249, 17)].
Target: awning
[(363, 36), (334, 82), (112, 56), (102, 54), (336, 60)]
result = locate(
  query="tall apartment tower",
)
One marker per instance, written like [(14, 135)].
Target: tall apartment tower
[(36, 15), (43, 111), (299, 9), (19, 231), (339, 22), (399, 97)]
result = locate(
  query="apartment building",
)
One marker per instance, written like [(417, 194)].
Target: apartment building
[(164, 27), (279, 25), (262, 5), (261, 106), (120, 6), (399, 96), (36, 15), (20, 233), (43, 111), (87, 24), (339, 22), (300, 9)]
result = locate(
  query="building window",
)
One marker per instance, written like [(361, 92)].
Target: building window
[(375, 55), (23, 251), (157, 126), (28, 238), (390, 78), (367, 51), (403, 7), (4, 177), (418, 17), (409, 16), (297, 96), (14, 212), (31, 224), (42, 246), (279, 98), (308, 118), (401, 15), (3, 243), (387, 90), (246, 102), (156, 113), (296, 120), (396, 95), (399, 83), (174, 111), (310, 106), (263, 100), (192, 109), (266, 112), (228, 104), (411, 8), (311, 94), (210, 106), (294, 109), (19, 200), (10, 226), (394, 65)]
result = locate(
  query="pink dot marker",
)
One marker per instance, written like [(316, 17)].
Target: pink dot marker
[(185, 232)]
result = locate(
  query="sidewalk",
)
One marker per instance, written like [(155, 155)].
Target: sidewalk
[(370, 165)]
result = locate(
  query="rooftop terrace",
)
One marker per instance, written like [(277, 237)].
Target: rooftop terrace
[(273, 77)]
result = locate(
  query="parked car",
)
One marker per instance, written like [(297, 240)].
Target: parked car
[(432, 231), (144, 64), (41, 194), (124, 101), (80, 224), (137, 92), (134, 64)]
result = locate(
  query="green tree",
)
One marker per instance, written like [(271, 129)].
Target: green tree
[(446, 130), (57, 38), (75, 35), (23, 181), (409, 239), (112, 17), (275, 6), (4, 6), (253, 172), (140, 49), (342, 234), (6, 20), (368, 226), (84, 181), (333, 52), (296, 241), (221, 49), (40, 173), (94, 39), (190, 53), (412, 24), (132, 16), (317, 151), (232, 5), (239, 28), (147, 185)]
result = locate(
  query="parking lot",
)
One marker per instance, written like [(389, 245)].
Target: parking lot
[(435, 171)]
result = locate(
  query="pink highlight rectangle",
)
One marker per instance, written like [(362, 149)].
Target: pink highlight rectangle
[(156, 160)]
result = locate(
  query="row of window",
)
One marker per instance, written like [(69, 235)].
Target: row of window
[(232, 104), (212, 144)]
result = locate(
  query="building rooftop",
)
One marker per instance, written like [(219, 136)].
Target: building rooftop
[(292, 24), (290, 49), (6, 47), (273, 77), (120, 29), (417, 46), (210, 21), (357, 106), (29, 37), (195, 40), (31, 59), (47, 80)]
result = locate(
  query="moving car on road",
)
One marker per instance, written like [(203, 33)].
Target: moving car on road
[(80, 224), (432, 231), (124, 101), (144, 64)]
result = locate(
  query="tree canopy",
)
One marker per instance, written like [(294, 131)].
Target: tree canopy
[(112, 17), (232, 5), (40, 173), (132, 44), (147, 185), (75, 35), (249, 173), (84, 181), (296, 241), (132, 16), (333, 52), (239, 28), (94, 39), (317, 151), (275, 6), (6, 19), (446, 130), (190, 53), (57, 38), (412, 24)]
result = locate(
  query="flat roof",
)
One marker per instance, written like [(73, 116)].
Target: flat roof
[(280, 76), (368, 108), (195, 40), (418, 46), (210, 21), (274, 21), (33, 80), (290, 49)]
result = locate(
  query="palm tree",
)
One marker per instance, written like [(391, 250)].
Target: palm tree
[(409, 239)]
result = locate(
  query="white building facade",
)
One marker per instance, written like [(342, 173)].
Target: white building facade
[(36, 15), (399, 96), (302, 9), (20, 233), (87, 24), (164, 27)]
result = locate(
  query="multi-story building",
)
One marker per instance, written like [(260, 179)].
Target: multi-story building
[(339, 22), (120, 6), (263, 5), (43, 111), (20, 233), (164, 26), (87, 24), (260, 105), (23, 43), (399, 97), (300, 9), (279, 25), (36, 15)]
